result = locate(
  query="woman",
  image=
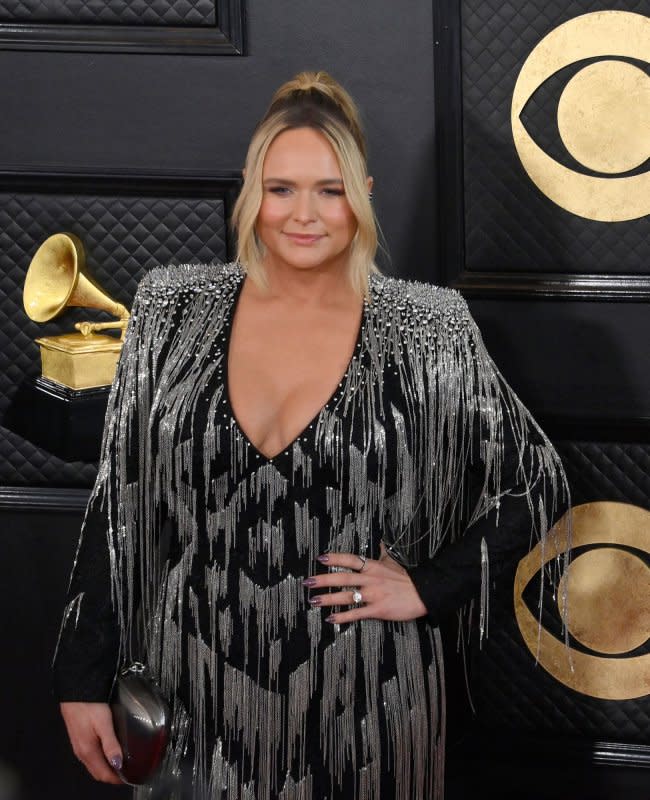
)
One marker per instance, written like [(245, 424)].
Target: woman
[(340, 463)]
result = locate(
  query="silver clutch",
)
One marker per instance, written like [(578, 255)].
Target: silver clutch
[(142, 720)]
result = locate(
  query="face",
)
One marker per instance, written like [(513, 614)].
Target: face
[(305, 220)]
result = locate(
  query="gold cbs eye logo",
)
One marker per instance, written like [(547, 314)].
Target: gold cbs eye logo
[(607, 609), (603, 115)]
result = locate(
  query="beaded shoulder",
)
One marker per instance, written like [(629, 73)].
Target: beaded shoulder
[(420, 302), (171, 278)]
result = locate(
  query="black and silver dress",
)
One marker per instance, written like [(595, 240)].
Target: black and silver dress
[(195, 545)]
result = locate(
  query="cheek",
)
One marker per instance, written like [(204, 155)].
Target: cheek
[(342, 219), (271, 214), (351, 225)]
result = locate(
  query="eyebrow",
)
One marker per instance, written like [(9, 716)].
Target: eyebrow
[(323, 182)]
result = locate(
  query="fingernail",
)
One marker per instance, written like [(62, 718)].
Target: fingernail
[(330, 618), (316, 601), (309, 582), (323, 559), (116, 762)]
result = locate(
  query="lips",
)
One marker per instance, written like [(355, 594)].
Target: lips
[(303, 238)]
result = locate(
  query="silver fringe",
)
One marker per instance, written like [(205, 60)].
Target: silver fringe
[(414, 496)]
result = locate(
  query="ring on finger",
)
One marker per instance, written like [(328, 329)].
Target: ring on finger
[(363, 562), (357, 597)]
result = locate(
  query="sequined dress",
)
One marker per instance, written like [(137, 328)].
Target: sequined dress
[(194, 544)]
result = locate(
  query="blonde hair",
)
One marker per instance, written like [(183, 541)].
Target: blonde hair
[(310, 100)]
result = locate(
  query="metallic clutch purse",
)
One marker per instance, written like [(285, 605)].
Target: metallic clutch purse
[(142, 720)]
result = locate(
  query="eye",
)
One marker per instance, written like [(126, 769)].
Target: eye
[(596, 149), (279, 190), (333, 192), (607, 609)]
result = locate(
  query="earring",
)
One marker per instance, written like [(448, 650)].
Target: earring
[(370, 196)]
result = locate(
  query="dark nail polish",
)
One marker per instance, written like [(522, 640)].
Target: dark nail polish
[(309, 582), (323, 559), (316, 601), (116, 762)]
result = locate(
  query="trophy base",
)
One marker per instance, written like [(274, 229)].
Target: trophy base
[(79, 362), (68, 423)]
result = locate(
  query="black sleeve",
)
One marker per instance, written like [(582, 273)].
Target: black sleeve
[(503, 536), (89, 647), (506, 507), (87, 653)]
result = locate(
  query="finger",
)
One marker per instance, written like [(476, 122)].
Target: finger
[(104, 773), (387, 559), (346, 560), (337, 579), (91, 755), (87, 723), (354, 614), (336, 599), (110, 746)]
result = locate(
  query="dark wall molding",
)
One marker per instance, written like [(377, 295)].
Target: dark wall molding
[(180, 182), (224, 184), (562, 750), (558, 286), (496, 283), (620, 754), (448, 107), (43, 498), (227, 37)]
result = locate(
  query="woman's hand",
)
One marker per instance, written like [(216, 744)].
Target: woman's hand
[(92, 736), (387, 591)]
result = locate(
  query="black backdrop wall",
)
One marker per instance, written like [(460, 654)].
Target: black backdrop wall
[(108, 120), (177, 112)]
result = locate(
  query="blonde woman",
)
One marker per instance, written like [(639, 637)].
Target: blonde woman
[(342, 466)]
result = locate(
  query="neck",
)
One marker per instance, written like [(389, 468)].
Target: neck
[(326, 284)]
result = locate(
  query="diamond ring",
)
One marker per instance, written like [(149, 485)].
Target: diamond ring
[(357, 597)]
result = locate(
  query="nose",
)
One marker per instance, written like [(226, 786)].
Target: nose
[(304, 210)]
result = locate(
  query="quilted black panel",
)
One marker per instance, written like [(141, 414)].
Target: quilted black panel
[(124, 236), (110, 12), (514, 695), (510, 224), (607, 471)]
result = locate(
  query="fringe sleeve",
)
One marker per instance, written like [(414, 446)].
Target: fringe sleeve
[(505, 489), (98, 613)]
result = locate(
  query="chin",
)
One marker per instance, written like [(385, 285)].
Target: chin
[(306, 260)]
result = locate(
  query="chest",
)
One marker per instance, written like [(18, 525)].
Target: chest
[(303, 354), (325, 408), (283, 368)]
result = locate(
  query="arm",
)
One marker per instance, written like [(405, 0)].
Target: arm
[(514, 488), (493, 538), (87, 653), (499, 537), (90, 642), (86, 658)]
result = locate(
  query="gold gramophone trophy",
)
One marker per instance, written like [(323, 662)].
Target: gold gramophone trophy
[(57, 278)]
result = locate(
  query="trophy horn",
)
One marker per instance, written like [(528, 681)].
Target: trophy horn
[(57, 278)]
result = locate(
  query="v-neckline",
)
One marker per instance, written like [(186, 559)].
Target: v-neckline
[(226, 385)]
